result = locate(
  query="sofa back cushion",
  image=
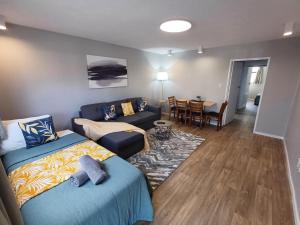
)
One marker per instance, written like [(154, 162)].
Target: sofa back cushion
[(95, 111)]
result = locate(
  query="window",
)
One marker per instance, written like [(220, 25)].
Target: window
[(253, 77), (254, 71)]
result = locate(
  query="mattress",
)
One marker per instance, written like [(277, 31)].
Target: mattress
[(122, 199)]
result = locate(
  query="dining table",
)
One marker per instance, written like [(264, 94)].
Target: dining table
[(206, 103)]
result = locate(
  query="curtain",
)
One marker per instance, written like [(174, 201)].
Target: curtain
[(9, 211), (4, 219), (259, 76), (2, 131)]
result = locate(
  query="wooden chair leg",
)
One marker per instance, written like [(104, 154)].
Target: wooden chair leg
[(170, 111), (221, 124), (185, 114)]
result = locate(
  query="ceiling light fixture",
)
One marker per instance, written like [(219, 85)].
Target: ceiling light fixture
[(2, 23), (288, 29), (175, 26), (170, 53), (200, 49)]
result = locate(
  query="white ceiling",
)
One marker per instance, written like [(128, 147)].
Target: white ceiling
[(135, 23)]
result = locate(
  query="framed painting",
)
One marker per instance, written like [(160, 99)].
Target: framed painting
[(106, 72)]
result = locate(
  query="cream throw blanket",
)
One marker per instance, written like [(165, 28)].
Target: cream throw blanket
[(95, 130)]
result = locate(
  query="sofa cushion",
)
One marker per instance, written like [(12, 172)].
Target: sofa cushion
[(123, 144), (132, 119), (93, 111), (138, 118), (121, 139)]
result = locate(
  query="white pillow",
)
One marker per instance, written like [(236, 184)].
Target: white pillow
[(15, 139)]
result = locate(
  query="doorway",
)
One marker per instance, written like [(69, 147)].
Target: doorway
[(245, 87)]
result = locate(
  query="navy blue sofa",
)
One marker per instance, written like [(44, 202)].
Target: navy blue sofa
[(124, 144)]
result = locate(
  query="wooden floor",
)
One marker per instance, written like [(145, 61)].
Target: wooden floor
[(233, 178)]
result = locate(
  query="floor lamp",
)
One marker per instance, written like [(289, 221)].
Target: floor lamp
[(162, 76)]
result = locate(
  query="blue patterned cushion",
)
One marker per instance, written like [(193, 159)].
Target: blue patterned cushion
[(141, 105), (109, 112), (38, 132)]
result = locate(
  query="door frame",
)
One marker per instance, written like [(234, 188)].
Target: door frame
[(229, 79)]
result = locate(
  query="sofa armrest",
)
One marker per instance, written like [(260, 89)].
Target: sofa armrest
[(77, 128), (154, 109)]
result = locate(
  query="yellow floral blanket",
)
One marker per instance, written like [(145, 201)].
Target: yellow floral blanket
[(41, 175)]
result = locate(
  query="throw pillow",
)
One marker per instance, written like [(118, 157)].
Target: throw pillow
[(38, 132), (141, 105), (15, 139), (110, 112), (127, 109)]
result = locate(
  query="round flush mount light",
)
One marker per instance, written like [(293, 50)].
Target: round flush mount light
[(175, 26), (170, 52), (2, 23), (200, 49), (288, 29)]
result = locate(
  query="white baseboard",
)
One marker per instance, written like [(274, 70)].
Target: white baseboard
[(292, 188), (268, 135)]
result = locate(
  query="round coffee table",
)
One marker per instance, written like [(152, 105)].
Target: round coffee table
[(163, 129)]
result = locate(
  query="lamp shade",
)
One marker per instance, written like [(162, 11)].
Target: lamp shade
[(162, 76)]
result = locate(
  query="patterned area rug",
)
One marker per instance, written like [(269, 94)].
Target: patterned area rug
[(165, 156)]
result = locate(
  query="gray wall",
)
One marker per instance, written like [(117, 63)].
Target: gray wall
[(45, 72), (192, 74), (292, 139)]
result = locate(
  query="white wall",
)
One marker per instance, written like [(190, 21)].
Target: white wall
[(44, 72), (192, 74), (244, 88), (255, 89)]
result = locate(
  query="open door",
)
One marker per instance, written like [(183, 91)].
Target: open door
[(237, 70), (245, 86)]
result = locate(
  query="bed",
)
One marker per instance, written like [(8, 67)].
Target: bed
[(122, 199)]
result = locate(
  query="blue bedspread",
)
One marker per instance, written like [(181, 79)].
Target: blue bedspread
[(122, 199)]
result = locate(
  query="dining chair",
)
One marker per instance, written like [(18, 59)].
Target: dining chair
[(172, 106), (218, 116), (196, 112), (182, 109)]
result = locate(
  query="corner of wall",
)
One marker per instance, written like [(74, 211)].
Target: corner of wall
[(291, 183)]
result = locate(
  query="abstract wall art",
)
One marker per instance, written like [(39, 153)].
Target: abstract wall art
[(105, 72)]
